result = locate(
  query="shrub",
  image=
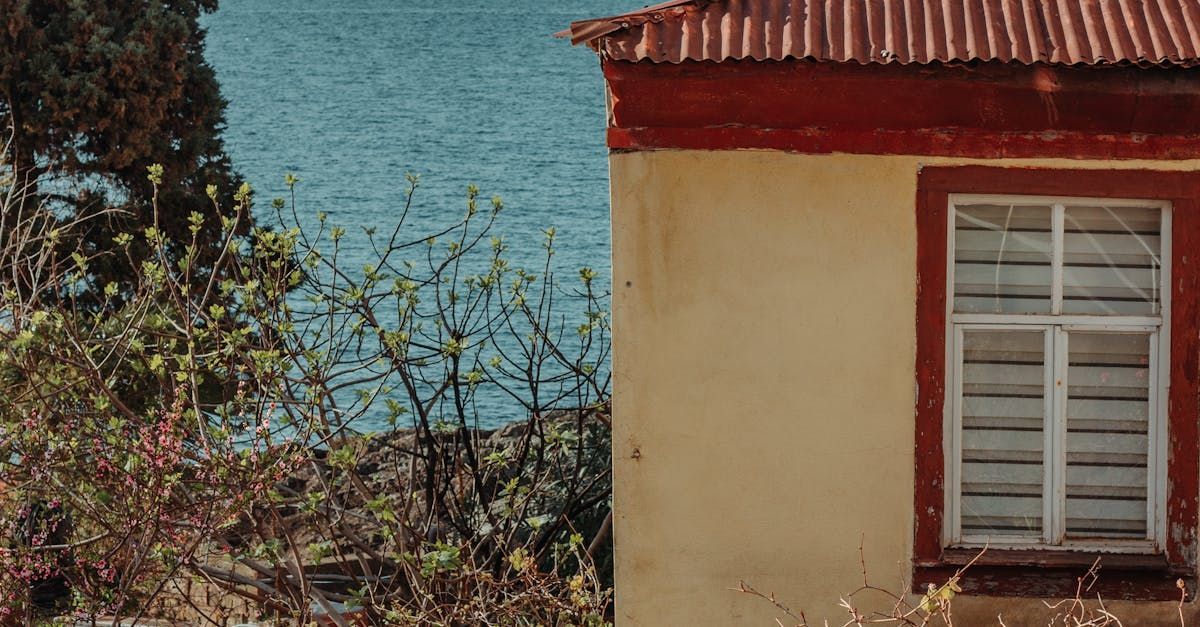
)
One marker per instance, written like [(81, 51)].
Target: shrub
[(197, 438)]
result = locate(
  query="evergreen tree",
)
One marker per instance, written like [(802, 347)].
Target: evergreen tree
[(95, 91)]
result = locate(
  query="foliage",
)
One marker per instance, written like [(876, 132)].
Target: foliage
[(92, 93), (204, 432)]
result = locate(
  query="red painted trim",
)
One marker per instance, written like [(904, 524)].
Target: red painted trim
[(932, 204), (988, 110), (1055, 583), (1183, 466), (1182, 189), (932, 142)]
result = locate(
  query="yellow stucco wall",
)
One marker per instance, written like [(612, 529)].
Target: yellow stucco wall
[(764, 342)]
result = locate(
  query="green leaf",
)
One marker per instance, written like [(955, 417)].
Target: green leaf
[(155, 173)]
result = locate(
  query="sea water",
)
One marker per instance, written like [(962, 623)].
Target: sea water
[(350, 95)]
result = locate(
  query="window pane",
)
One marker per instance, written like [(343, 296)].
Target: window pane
[(1003, 402), (1108, 411), (1002, 258), (1111, 261)]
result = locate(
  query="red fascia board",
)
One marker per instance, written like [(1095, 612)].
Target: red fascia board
[(932, 142), (983, 110)]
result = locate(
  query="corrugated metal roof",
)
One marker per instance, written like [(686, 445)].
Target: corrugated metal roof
[(1071, 32)]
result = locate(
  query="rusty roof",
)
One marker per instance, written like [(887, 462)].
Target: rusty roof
[(1069, 32)]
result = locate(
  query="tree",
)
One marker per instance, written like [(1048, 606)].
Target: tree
[(92, 93)]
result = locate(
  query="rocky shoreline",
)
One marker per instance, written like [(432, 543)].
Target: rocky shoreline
[(361, 496)]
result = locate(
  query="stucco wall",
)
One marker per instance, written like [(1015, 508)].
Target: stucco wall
[(764, 341)]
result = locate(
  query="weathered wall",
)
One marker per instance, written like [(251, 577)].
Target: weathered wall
[(764, 342)]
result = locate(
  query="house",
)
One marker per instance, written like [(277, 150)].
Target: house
[(913, 276)]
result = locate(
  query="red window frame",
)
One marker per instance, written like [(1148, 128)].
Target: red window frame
[(1054, 572)]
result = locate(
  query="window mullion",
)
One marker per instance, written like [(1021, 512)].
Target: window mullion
[(956, 435), (1155, 454), (1048, 509), (1057, 229), (1056, 427), (1056, 455)]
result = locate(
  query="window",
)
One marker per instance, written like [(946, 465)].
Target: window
[(1057, 343), (1058, 335)]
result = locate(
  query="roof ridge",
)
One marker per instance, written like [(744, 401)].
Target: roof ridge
[(593, 28), (1111, 32)]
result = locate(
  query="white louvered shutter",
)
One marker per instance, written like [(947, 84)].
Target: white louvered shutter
[(1002, 260), (1055, 319), (1111, 261), (1107, 443), (1003, 424)]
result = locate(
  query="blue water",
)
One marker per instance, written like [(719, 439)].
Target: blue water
[(351, 94)]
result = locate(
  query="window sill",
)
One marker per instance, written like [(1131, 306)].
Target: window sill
[(1055, 558), (1055, 574)]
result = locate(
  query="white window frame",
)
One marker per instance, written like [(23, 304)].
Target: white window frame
[(1055, 327)]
